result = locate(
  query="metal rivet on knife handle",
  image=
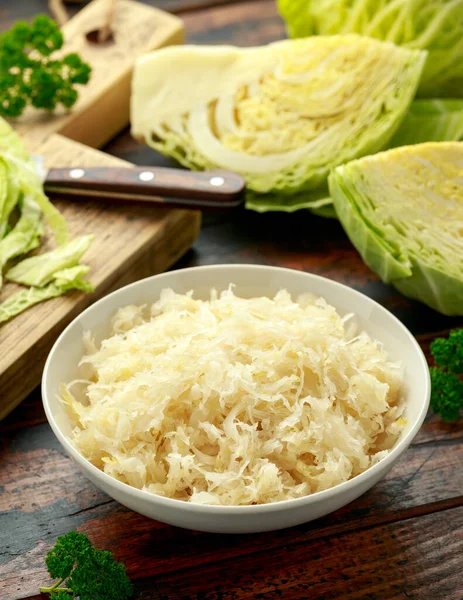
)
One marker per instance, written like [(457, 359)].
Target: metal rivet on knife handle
[(146, 176), (76, 173)]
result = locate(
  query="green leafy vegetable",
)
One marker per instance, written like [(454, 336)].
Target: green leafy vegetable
[(39, 270), (10, 141), (315, 200), (431, 121), (446, 382), (30, 75), (22, 208), (426, 121), (21, 176), (432, 25), (63, 281), (9, 195), (282, 115), (403, 211), (25, 235), (86, 572)]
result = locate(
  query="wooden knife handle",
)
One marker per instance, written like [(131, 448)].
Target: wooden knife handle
[(171, 187)]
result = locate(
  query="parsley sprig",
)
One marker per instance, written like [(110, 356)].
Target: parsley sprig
[(30, 75), (446, 381), (85, 572)]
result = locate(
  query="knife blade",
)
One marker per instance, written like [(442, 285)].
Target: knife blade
[(161, 185)]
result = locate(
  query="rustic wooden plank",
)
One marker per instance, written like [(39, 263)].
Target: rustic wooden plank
[(434, 430), (102, 109), (191, 565), (29, 413), (12, 10), (243, 24), (179, 7), (45, 496), (418, 558), (131, 242)]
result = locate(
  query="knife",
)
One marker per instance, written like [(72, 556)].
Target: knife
[(163, 186)]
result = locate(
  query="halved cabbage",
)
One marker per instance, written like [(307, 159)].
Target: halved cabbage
[(427, 120), (403, 211), (281, 115), (432, 25)]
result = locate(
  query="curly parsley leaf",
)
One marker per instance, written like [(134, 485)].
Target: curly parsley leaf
[(84, 571), (30, 75), (446, 382)]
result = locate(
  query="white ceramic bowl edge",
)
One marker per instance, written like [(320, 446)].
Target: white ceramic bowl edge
[(249, 280)]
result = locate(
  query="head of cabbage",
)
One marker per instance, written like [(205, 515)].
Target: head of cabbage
[(403, 211), (281, 115), (432, 25)]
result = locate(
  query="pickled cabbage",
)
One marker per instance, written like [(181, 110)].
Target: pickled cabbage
[(234, 401), (403, 211), (281, 115)]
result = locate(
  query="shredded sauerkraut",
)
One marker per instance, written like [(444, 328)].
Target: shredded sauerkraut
[(235, 401)]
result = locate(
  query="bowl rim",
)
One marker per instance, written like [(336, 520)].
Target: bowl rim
[(182, 505)]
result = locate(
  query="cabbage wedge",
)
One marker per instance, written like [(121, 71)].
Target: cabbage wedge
[(403, 211), (281, 115), (432, 25)]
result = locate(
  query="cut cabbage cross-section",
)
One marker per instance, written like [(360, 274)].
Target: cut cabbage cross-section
[(403, 211), (433, 25), (281, 115)]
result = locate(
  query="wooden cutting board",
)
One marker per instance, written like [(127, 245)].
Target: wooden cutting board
[(131, 241)]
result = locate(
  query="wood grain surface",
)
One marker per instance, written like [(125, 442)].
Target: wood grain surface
[(402, 540), (102, 108)]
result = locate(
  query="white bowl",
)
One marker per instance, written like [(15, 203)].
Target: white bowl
[(250, 281)]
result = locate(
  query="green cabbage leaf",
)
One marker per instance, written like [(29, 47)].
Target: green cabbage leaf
[(431, 121), (25, 235), (403, 211), (62, 282), (432, 25), (39, 270), (23, 208), (427, 120), (20, 175), (281, 115)]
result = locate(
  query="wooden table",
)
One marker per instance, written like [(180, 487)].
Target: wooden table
[(402, 540)]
